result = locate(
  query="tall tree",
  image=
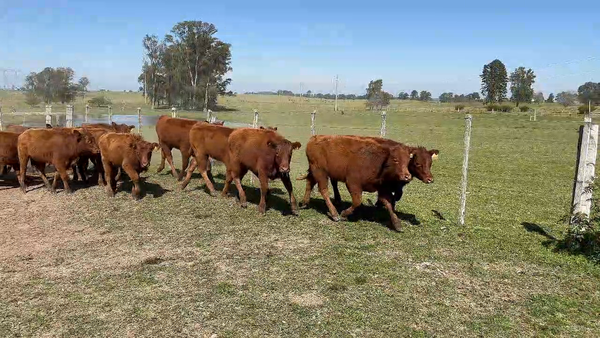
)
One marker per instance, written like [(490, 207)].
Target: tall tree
[(403, 96), (376, 97), (52, 85), (446, 97), (521, 85), (566, 98), (424, 95), (538, 98), (83, 82), (589, 91), (550, 98), (414, 95), (494, 80)]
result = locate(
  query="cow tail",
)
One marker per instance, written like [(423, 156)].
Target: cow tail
[(303, 177)]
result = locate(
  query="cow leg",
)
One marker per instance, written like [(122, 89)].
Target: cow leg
[(203, 165), (3, 169), (82, 165), (356, 193), (23, 159), (264, 189), (189, 172), (162, 158), (135, 179), (110, 179), (185, 161), (167, 152), (290, 189), (98, 170), (310, 184), (228, 180), (41, 167), (322, 181), (337, 199), (237, 179), (61, 170), (386, 200)]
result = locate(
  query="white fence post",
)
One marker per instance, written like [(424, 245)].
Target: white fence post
[(69, 116), (313, 116), (465, 168), (383, 130), (49, 114), (109, 114), (1, 120), (139, 112), (586, 167), (173, 112), (87, 111), (254, 125), (208, 114)]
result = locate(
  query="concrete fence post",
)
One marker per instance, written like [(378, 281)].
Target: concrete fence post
[(313, 116), (254, 125), (110, 114), (208, 114), (69, 116), (383, 130), (465, 168), (48, 114), (586, 167), (87, 111), (173, 112), (1, 120), (139, 113)]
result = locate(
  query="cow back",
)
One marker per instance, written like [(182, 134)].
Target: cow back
[(174, 132), (210, 140)]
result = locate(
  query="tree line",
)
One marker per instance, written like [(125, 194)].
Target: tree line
[(53, 85), (187, 67)]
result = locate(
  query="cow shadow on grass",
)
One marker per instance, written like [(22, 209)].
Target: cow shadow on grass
[(147, 188), (200, 185), (366, 212)]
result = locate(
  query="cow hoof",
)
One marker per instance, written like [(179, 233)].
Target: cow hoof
[(262, 210), (244, 205), (335, 218), (213, 194), (397, 226), (69, 192), (303, 206), (295, 212)]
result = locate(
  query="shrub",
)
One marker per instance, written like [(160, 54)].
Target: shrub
[(524, 109), (459, 107), (585, 109), (492, 107), (506, 108), (99, 101)]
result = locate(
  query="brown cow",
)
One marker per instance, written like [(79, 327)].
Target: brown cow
[(364, 165), (9, 155), (419, 167), (207, 140), (129, 152), (267, 154), (112, 127), (174, 133), (58, 146), (19, 129)]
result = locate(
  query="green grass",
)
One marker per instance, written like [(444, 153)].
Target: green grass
[(185, 264)]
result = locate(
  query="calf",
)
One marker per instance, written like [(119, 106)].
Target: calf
[(9, 155), (174, 133), (207, 140), (58, 146), (419, 167), (126, 151), (267, 154), (18, 130), (363, 164), (112, 127)]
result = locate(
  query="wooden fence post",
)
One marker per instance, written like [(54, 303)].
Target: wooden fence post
[(313, 116), (109, 114), (69, 116), (49, 114), (139, 111), (383, 130), (465, 168), (254, 125), (1, 120), (87, 111), (586, 166)]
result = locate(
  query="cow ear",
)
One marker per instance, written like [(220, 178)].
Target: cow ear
[(49, 126), (261, 127), (434, 154), (271, 144), (274, 128), (77, 134), (296, 145), (155, 146), (133, 145), (114, 124), (131, 127)]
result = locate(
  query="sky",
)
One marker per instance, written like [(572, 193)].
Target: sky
[(439, 46)]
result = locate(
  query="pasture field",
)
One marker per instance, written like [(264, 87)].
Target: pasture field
[(186, 264)]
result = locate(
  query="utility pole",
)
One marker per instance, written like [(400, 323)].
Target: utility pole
[(301, 84), (336, 93)]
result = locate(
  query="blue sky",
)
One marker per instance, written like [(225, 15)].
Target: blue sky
[(435, 45)]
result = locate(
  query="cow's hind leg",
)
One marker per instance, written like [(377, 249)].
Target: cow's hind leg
[(337, 199), (61, 170), (322, 181), (110, 178), (237, 179), (290, 189), (310, 184), (41, 168), (185, 162), (162, 158), (23, 159), (386, 199), (189, 172)]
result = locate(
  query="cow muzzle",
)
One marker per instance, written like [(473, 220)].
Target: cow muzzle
[(429, 180), (405, 177), (284, 170)]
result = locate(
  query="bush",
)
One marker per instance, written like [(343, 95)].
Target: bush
[(506, 108), (492, 107), (99, 101), (459, 107), (524, 109), (585, 109)]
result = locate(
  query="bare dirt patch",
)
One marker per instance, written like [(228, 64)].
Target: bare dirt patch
[(310, 299)]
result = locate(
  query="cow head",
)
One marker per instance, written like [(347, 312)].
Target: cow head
[(420, 164), (143, 151), (122, 128), (269, 128), (86, 141), (283, 153), (400, 157)]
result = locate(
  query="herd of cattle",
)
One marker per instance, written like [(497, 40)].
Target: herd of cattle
[(369, 164)]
